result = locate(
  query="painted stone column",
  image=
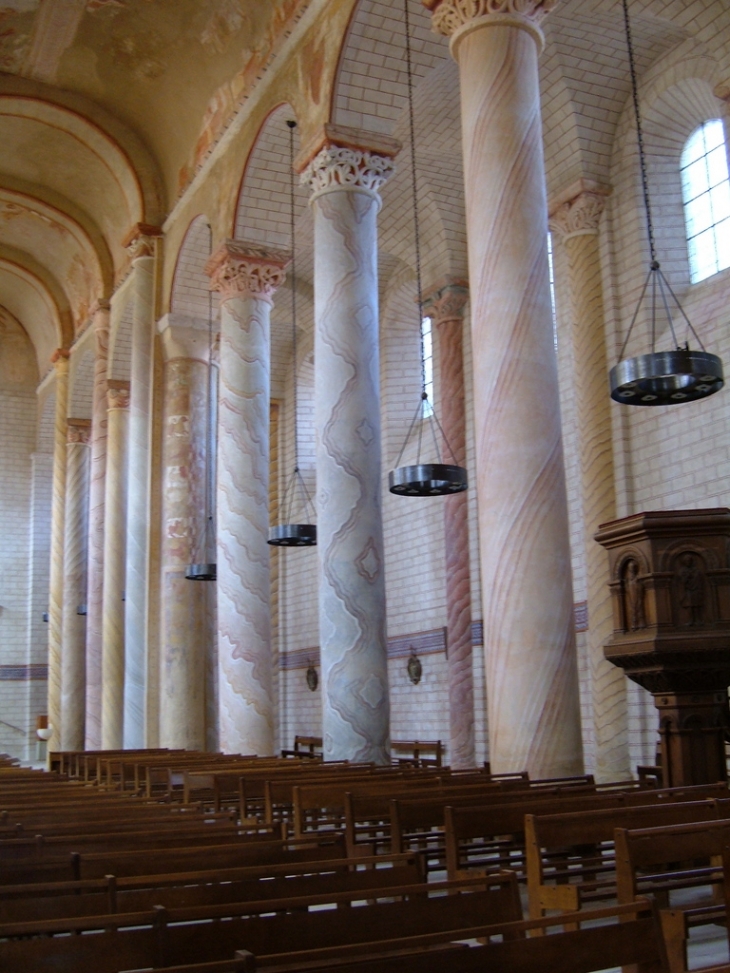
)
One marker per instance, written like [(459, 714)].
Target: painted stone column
[(184, 603), (58, 512), (115, 531), (75, 555), (575, 216), (246, 276), (445, 307), (94, 623), (136, 607), (345, 177), (529, 641)]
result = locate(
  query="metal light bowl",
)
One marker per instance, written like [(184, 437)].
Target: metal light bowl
[(428, 480), (666, 377), (293, 535), (201, 572)]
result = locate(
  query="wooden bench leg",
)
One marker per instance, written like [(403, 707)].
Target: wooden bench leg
[(674, 929)]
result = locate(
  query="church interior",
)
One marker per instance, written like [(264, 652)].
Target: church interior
[(205, 311)]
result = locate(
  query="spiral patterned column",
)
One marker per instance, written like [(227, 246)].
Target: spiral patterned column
[(531, 666), (115, 530), (345, 179), (445, 307), (58, 512), (136, 607), (576, 219), (184, 609), (94, 600), (246, 277), (75, 556)]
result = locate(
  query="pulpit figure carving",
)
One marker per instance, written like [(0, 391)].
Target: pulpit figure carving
[(692, 587), (633, 598)]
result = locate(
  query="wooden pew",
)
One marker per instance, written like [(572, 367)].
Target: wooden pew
[(474, 836), (570, 856), (627, 936), (419, 753), (664, 860), (111, 895), (144, 939), (160, 861)]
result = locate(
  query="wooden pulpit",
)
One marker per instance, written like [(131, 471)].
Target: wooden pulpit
[(670, 586)]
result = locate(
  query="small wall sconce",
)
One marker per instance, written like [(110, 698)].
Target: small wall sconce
[(81, 610), (415, 669), (312, 677)]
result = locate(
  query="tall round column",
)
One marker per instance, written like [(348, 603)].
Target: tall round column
[(531, 666), (246, 277), (94, 600), (75, 554), (345, 179), (58, 511), (445, 307), (115, 531), (183, 611), (136, 606), (575, 216)]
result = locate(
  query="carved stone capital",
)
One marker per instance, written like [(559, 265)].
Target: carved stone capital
[(99, 305), (344, 158), (722, 91), (140, 241), (579, 215), (450, 17), (78, 431), (447, 300), (60, 357), (117, 394), (240, 269)]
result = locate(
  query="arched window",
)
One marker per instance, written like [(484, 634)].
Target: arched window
[(706, 195)]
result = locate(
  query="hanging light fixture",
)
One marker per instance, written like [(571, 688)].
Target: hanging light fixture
[(205, 569), (422, 479), (660, 377), (296, 496)]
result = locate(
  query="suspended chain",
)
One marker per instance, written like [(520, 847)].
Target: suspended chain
[(293, 287), (639, 135), (414, 191)]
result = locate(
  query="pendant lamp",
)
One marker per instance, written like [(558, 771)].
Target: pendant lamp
[(205, 568), (660, 377), (423, 479), (296, 495)]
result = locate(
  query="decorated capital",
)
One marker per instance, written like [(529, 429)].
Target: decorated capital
[(452, 18), (118, 394), (240, 269), (577, 211), (79, 431), (140, 240), (446, 300), (344, 158)]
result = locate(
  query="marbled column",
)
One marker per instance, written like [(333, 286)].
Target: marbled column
[(445, 306), (100, 314), (115, 530), (58, 511), (136, 606), (246, 277), (575, 216), (75, 555), (345, 179), (184, 541), (531, 666)]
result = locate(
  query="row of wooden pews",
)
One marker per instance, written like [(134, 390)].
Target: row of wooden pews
[(211, 863)]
